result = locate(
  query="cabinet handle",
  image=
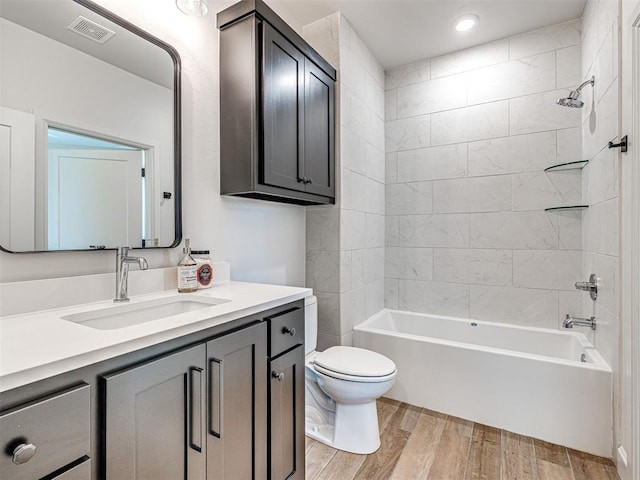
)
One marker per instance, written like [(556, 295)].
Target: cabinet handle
[(302, 179), (278, 375), (215, 397), (290, 331), (309, 180), (23, 453), (195, 408)]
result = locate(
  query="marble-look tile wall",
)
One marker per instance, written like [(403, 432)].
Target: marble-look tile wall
[(468, 136), (600, 123), (345, 242)]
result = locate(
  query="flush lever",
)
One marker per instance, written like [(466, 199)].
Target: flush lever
[(591, 286)]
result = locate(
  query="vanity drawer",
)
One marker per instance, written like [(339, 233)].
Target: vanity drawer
[(286, 330), (59, 428)]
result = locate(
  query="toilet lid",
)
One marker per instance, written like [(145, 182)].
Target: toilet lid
[(356, 362)]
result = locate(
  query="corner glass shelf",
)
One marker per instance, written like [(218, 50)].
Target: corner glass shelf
[(580, 164), (567, 207)]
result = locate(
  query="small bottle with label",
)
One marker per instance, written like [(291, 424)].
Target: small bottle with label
[(187, 271), (205, 268)]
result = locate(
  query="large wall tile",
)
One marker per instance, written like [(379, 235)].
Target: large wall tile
[(601, 125), (546, 39), (569, 147), (450, 230), (547, 269), (323, 228), (407, 74), (358, 268), (432, 96), (391, 104), (484, 267), (376, 163), (600, 177), (519, 154), (569, 229), (323, 271), (435, 163), (466, 124), (606, 269), (517, 306), (391, 167), (328, 313), (539, 113), (353, 229), (513, 79), (353, 309), (568, 67), (391, 293), (600, 228), (375, 297), (434, 297), (514, 230), (537, 191), (375, 230), (470, 59), (390, 231), (409, 263), (409, 198), (353, 153), (408, 133), (478, 194)]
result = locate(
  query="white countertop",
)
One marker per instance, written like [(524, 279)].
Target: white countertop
[(38, 345)]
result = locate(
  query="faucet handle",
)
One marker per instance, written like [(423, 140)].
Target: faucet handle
[(124, 251)]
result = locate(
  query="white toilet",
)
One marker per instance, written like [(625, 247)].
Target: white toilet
[(341, 388)]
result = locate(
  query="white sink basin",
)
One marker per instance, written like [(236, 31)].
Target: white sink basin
[(126, 315)]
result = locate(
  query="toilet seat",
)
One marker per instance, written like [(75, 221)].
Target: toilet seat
[(355, 365)]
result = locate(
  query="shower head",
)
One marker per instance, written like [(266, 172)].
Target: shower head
[(573, 100)]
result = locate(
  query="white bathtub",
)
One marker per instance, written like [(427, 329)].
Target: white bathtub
[(529, 381)]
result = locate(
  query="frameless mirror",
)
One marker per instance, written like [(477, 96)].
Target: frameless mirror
[(89, 130)]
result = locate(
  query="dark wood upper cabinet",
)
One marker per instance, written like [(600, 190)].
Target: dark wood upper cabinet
[(277, 110)]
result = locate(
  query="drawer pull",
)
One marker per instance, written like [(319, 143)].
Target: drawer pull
[(278, 375), (23, 453), (290, 331)]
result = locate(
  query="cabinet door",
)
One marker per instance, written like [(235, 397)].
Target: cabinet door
[(282, 111), (237, 417), (154, 419), (286, 409), (319, 123)]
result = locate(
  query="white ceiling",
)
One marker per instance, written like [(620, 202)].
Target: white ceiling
[(404, 31)]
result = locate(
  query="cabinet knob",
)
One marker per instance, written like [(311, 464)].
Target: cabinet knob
[(290, 331), (309, 180), (302, 180), (278, 375), (23, 453)]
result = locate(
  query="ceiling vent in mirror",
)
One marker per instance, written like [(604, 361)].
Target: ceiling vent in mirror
[(89, 29)]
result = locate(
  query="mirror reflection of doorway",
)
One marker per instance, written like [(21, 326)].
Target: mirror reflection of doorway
[(94, 192)]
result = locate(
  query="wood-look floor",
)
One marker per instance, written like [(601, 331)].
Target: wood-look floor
[(420, 444)]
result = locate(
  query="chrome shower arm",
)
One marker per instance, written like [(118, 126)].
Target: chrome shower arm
[(591, 82)]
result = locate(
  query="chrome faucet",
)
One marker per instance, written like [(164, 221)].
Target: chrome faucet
[(122, 272), (570, 321)]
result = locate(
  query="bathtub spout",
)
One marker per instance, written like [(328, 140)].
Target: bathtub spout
[(570, 321)]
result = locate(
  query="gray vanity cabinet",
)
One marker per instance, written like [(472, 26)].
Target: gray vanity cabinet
[(286, 395), (154, 416), (195, 414), (277, 110), (237, 405)]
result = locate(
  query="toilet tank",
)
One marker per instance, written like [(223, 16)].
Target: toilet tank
[(310, 324)]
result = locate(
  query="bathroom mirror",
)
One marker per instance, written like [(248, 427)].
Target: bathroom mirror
[(89, 130)]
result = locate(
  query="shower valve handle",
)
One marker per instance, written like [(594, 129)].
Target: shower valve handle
[(591, 286)]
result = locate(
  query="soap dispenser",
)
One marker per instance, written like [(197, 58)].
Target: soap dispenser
[(187, 271)]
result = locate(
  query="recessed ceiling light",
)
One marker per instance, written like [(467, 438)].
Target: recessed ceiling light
[(465, 23)]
